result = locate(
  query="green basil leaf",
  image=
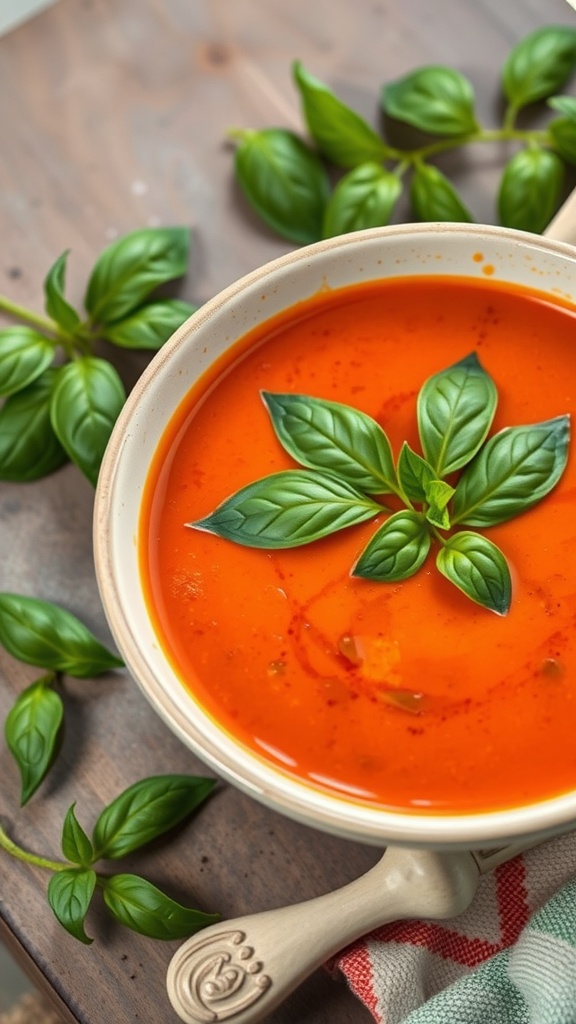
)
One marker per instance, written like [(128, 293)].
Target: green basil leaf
[(69, 894), (29, 448), (438, 494), (565, 104), (333, 437), (514, 470), (539, 65), (435, 99), (139, 905), (284, 181), (40, 633), (56, 305), (455, 412), (31, 730), (397, 550), (363, 198), (340, 133), (24, 355), (563, 134), (86, 401), (132, 267), (288, 509), (414, 473), (530, 189), (76, 845), (150, 326), (145, 811), (478, 568), (434, 197)]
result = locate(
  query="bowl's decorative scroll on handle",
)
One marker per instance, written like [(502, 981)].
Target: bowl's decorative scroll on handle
[(240, 970)]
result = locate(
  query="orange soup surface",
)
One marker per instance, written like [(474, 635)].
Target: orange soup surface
[(405, 695)]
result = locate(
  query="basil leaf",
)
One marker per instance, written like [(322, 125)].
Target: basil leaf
[(31, 730), (414, 473), (69, 894), (86, 401), (130, 268), (288, 509), (397, 550), (139, 905), (24, 355), (438, 494), (40, 633), (340, 133), (29, 448), (76, 845), (145, 811), (363, 198), (514, 470), (530, 189), (434, 197), (284, 181), (478, 568), (563, 134), (455, 412), (333, 437), (150, 326), (434, 99), (55, 304), (539, 65), (565, 104)]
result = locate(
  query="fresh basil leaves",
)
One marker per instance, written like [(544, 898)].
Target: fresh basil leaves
[(61, 400), (351, 176), (143, 812), (349, 463), (49, 637)]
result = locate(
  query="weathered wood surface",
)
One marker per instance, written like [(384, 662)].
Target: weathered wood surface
[(114, 116)]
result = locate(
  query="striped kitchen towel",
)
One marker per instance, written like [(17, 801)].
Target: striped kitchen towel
[(510, 958)]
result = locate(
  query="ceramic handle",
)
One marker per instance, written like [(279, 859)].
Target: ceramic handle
[(562, 227), (240, 970)]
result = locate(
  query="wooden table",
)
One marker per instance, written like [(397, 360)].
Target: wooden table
[(114, 116)]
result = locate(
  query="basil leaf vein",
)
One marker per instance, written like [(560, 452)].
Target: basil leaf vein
[(288, 509), (335, 438), (478, 568), (455, 411), (513, 471), (397, 550)]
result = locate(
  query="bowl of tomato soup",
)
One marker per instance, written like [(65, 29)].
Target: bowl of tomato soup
[(430, 699)]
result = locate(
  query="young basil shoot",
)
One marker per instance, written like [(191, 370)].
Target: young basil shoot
[(60, 399), (349, 464), (287, 180), (49, 637), (143, 812)]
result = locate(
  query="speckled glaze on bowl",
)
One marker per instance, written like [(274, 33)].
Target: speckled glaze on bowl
[(429, 249)]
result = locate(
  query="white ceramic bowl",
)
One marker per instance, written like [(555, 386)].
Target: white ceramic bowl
[(395, 251)]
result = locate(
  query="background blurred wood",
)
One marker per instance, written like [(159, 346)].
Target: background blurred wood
[(114, 116)]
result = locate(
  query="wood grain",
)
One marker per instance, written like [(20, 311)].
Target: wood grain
[(114, 116)]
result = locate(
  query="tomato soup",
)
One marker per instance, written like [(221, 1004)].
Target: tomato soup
[(405, 695)]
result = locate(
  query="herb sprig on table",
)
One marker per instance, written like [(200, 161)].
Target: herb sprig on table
[(289, 181), (143, 812), (62, 398), (462, 479)]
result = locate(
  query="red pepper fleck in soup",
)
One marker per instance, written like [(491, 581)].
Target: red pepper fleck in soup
[(403, 694)]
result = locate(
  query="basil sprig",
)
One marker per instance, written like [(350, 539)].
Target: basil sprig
[(60, 399), (346, 175), (349, 464), (145, 811), (42, 634)]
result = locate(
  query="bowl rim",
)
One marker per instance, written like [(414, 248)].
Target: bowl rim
[(228, 758)]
